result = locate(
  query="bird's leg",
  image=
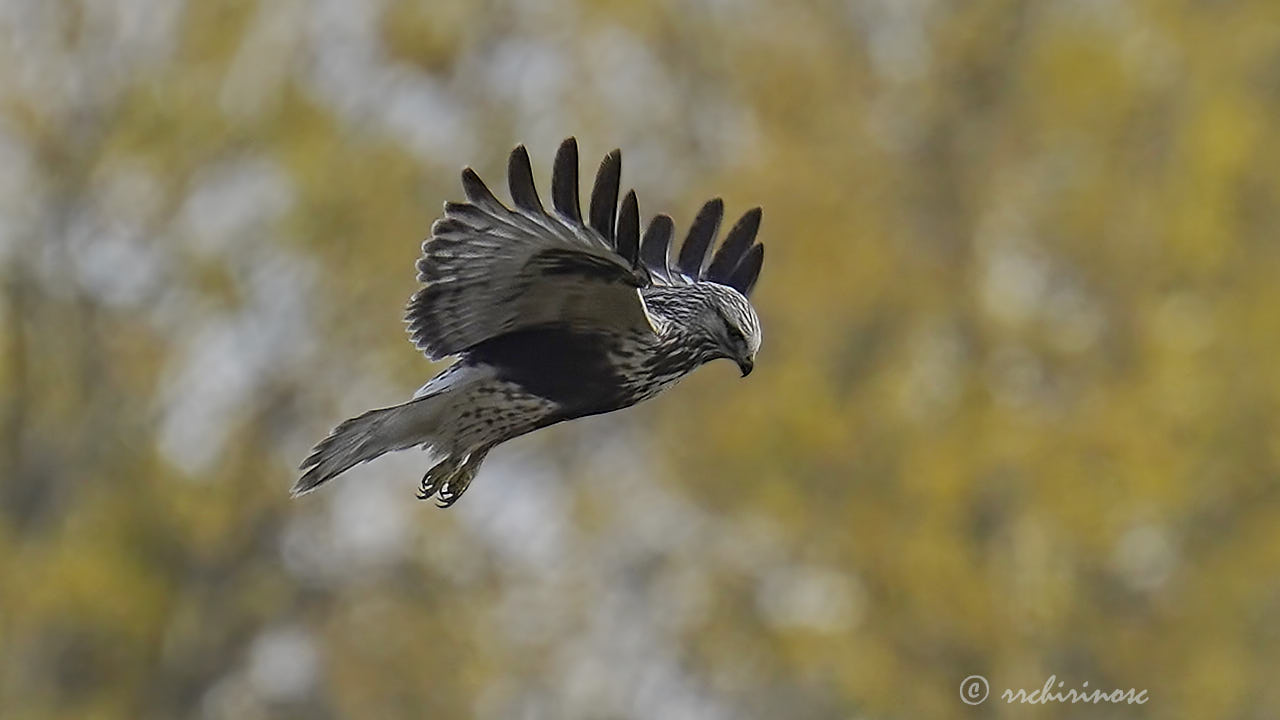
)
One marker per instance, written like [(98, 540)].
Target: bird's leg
[(458, 481), (437, 477)]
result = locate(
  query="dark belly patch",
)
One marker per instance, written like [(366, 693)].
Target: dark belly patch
[(571, 369)]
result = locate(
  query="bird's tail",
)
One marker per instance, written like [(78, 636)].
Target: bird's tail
[(370, 435)]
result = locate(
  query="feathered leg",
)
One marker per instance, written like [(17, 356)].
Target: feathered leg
[(451, 477), (436, 477), (458, 416)]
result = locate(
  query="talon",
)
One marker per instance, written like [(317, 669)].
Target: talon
[(448, 480), (436, 480), (429, 486), (448, 495)]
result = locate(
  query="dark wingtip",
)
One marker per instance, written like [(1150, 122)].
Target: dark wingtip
[(604, 196), (564, 180), (471, 180), (628, 237), (745, 275), (476, 191), (524, 192), (654, 251), (702, 233), (735, 246)]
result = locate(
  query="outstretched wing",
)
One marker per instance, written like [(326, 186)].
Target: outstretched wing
[(490, 270), (737, 263)]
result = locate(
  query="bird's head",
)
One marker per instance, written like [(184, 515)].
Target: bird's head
[(734, 327)]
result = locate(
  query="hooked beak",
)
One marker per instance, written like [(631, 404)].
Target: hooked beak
[(746, 365)]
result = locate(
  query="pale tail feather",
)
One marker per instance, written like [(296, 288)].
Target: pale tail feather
[(370, 435)]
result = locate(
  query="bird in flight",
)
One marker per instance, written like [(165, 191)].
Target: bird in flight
[(552, 316)]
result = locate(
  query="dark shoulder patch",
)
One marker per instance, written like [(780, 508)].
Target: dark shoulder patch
[(558, 261)]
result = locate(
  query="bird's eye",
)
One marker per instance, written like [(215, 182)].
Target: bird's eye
[(736, 336)]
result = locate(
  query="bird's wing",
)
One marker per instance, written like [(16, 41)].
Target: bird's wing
[(736, 263), (490, 270)]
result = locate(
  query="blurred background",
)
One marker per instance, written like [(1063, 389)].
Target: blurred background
[(1015, 414)]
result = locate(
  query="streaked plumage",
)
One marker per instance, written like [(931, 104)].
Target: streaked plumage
[(552, 317)]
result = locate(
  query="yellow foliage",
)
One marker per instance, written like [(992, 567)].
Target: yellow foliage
[(1015, 414)]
